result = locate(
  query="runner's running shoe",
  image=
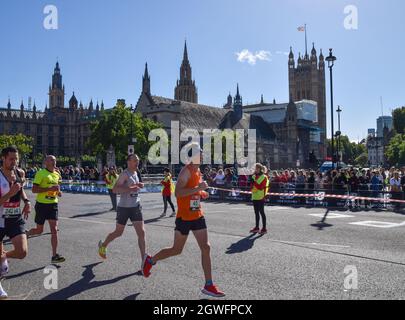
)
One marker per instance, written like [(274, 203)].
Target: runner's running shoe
[(58, 259), (147, 266), (3, 293), (173, 214), (102, 251), (213, 291)]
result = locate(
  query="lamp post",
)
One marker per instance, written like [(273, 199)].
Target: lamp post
[(131, 149), (338, 134), (331, 62)]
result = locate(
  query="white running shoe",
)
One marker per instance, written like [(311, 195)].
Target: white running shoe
[(3, 293)]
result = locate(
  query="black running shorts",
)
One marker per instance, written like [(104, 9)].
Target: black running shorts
[(184, 227), (12, 228), (124, 214), (45, 211)]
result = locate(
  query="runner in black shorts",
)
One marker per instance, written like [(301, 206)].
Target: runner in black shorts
[(129, 207), (46, 186), (11, 216), (190, 189)]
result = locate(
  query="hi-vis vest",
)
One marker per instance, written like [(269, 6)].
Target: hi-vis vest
[(172, 186), (259, 194), (112, 180)]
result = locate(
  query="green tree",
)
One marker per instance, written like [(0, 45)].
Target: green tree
[(350, 150), (114, 128), (398, 118), (361, 160), (22, 142), (395, 151)]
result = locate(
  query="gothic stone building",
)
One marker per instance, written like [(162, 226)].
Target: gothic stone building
[(286, 133), (58, 130)]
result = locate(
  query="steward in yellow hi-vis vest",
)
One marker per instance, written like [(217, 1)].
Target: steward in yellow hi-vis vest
[(259, 187), (111, 179), (167, 191)]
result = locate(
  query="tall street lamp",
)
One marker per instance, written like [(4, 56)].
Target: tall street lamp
[(133, 140), (338, 134), (331, 62)]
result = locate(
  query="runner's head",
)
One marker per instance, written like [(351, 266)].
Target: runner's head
[(133, 162), (9, 156), (195, 154), (50, 163)]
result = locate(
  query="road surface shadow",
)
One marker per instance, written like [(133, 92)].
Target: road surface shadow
[(24, 273), (91, 214), (8, 241), (132, 297), (85, 284), (243, 245), (322, 224)]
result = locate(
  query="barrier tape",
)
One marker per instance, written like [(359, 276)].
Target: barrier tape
[(321, 195)]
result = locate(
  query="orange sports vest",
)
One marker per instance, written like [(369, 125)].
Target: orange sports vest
[(189, 208)]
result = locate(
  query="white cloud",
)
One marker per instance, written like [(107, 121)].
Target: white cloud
[(251, 58)]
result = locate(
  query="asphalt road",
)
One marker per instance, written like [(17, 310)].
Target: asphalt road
[(300, 258)]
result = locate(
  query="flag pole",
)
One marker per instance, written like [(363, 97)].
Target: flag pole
[(306, 43)]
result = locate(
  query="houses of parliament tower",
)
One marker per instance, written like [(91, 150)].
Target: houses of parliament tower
[(186, 89)]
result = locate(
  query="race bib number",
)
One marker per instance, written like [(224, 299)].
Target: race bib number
[(51, 195), (195, 203), (11, 210), (133, 195)]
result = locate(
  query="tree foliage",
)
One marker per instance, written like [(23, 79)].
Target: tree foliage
[(395, 151), (350, 151), (22, 142), (114, 128), (398, 118)]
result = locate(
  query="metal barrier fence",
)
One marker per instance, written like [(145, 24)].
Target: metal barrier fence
[(290, 194), (95, 187)]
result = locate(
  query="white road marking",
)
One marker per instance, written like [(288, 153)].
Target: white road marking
[(331, 215), (378, 224), (85, 220), (312, 243), (280, 241)]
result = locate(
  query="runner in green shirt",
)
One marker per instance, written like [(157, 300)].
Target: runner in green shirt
[(46, 185)]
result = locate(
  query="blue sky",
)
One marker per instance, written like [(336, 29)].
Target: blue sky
[(102, 46)]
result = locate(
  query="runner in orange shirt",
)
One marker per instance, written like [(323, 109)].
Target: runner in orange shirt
[(190, 189)]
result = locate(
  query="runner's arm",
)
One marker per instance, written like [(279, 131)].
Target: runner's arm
[(181, 189), (120, 186), (23, 193), (37, 189)]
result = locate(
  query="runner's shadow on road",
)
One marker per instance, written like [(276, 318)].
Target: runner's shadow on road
[(90, 214), (157, 219), (23, 273), (7, 242), (132, 297), (242, 245), (85, 284)]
